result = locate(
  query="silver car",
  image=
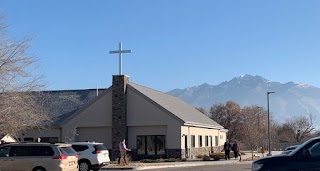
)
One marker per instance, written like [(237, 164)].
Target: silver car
[(38, 157)]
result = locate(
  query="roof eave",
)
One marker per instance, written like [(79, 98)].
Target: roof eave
[(204, 125)]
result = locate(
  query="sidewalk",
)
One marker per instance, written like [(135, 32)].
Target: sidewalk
[(190, 163)]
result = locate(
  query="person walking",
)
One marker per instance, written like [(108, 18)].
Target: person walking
[(227, 147), (123, 151), (235, 150)]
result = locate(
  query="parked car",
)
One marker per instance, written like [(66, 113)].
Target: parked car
[(92, 155), (38, 157), (304, 157), (287, 150)]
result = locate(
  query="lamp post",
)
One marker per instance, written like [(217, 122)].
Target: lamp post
[(259, 109), (269, 133)]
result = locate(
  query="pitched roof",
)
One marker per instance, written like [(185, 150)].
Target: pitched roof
[(60, 105), (188, 114)]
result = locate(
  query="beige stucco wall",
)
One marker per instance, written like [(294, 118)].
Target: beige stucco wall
[(98, 114), (143, 114), (97, 134), (6, 139), (196, 131), (37, 133)]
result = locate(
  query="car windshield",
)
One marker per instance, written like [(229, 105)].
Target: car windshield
[(68, 151)]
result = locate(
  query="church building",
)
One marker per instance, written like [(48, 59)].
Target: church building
[(154, 124)]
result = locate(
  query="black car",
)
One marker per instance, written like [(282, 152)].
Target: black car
[(304, 157), (289, 149)]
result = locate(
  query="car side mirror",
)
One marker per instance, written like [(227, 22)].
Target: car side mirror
[(306, 153)]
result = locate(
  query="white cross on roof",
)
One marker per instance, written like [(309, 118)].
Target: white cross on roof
[(120, 51)]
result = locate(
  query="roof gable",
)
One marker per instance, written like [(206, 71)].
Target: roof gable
[(188, 114)]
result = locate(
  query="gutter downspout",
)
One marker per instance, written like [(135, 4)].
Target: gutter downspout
[(189, 143), (219, 140)]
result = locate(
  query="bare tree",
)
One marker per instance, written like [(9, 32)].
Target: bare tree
[(253, 127), (19, 110), (202, 110), (228, 116), (296, 129), (303, 125)]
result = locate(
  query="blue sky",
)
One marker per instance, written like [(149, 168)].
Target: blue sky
[(175, 43)]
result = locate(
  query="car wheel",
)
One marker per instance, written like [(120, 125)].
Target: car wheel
[(39, 169), (84, 166)]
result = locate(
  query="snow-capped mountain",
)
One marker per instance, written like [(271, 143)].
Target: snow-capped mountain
[(290, 99)]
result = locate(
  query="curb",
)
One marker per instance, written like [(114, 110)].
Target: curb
[(176, 165), (119, 168)]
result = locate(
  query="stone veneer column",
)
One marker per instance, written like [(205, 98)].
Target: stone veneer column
[(119, 112)]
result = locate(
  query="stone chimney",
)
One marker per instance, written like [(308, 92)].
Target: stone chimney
[(119, 112)]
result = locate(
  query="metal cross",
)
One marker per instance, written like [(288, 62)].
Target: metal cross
[(120, 51)]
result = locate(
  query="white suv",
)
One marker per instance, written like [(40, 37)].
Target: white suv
[(92, 155)]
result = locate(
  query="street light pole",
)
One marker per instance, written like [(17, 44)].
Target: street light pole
[(259, 108), (269, 133)]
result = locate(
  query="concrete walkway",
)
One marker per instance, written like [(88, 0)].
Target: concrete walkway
[(145, 166)]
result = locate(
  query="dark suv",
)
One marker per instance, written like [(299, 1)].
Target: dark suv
[(304, 157)]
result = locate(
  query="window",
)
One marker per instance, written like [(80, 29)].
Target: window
[(216, 140), (151, 145), (4, 151), (28, 139), (315, 150), (207, 141), (42, 151), (79, 147), (141, 144), (68, 151), (31, 151), (99, 147), (161, 142), (193, 141), (200, 140), (49, 139)]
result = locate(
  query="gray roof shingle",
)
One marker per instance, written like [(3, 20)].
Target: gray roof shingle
[(188, 114), (60, 105)]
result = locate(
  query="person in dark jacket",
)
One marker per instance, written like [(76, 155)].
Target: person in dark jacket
[(227, 147), (235, 150)]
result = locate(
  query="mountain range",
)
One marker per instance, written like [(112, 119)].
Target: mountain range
[(290, 99)]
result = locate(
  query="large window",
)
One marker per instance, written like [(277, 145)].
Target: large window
[(200, 140), (151, 144), (49, 139), (216, 138), (207, 141), (193, 141), (28, 139)]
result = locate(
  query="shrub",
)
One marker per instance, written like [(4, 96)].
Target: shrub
[(199, 156), (148, 161), (206, 158), (159, 160), (217, 156), (171, 160)]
